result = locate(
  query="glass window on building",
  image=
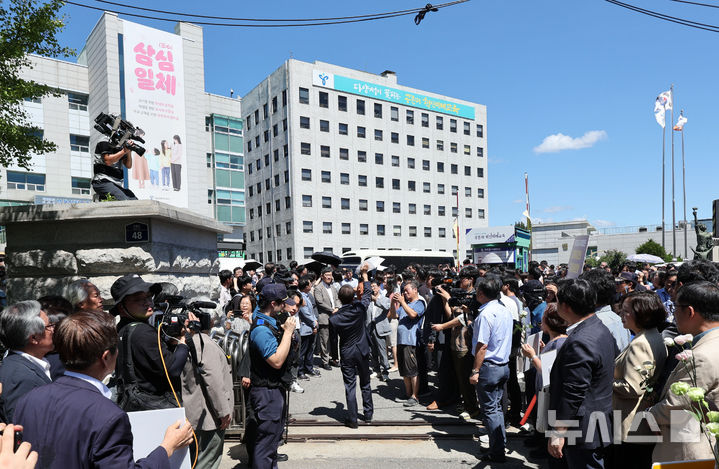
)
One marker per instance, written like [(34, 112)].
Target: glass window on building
[(394, 113), (480, 213), (304, 96), (230, 206), (364, 229), (413, 231), (363, 205), (397, 230), (81, 186), (480, 193), (227, 161), (396, 207), (360, 107), (26, 181), (77, 101), (410, 116), (306, 200), (395, 160), (326, 176), (324, 125), (380, 230), (326, 202), (345, 204), (307, 226), (378, 110), (327, 227), (342, 103), (304, 122), (480, 130), (346, 228), (324, 99), (361, 156), (79, 143), (344, 154)]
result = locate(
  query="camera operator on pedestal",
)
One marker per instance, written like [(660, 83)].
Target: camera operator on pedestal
[(144, 362), (271, 338), (113, 154)]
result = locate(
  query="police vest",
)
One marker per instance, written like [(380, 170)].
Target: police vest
[(261, 373)]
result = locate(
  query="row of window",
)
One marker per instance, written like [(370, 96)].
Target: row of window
[(378, 108), (35, 182), (306, 148), (380, 206), (346, 229), (362, 181), (75, 101), (363, 206), (266, 135), (326, 177), (266, 111), (275, 157)]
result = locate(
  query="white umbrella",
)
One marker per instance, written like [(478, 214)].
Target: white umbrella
[(648, 258)]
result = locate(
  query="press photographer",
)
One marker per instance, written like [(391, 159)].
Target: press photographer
[(145, 361), (112, 154)]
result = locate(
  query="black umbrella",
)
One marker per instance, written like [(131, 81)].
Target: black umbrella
[(312, 266), (251, 265), (327, 258)]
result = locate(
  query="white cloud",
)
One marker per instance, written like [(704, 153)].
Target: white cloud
[(560, 142), (557, 208)]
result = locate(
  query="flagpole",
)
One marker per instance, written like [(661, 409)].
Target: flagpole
[(664, 144), (459, 263), (674, 218), (684, 195), (529, 219)]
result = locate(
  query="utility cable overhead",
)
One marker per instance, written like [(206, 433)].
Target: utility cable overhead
[(697, 3), (229, 18), (297, 22), (664, 17)]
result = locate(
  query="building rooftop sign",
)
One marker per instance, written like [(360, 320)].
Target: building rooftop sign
[(393, 95), (491, 235)]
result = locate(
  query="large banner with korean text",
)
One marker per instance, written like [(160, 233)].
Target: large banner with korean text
[(155, 102)]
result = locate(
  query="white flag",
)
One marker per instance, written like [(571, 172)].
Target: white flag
[(680, 123), (659, 113), (666, 99), (662, 104)]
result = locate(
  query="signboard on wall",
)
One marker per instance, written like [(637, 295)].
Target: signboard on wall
[(491, 235), (155, 102), (393, 95), (494, 256)]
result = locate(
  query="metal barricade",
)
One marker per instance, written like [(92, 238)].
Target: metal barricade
[(236, 346)]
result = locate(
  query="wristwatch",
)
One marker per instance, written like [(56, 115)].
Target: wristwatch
[(475, 372)]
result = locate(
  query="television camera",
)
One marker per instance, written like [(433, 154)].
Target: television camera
[(450, 283), (175, 309), (120, 132)]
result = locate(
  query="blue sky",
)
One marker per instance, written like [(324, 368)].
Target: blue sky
[(586, 69)]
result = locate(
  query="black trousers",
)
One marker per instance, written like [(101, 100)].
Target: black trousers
[(334, 344), (447, 392), (514, 392), (422, 368), (307, 345), (102, 189), (176, 172), (268, 405), (352, 366)]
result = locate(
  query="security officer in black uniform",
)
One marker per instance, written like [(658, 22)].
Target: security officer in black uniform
[(270, 345)]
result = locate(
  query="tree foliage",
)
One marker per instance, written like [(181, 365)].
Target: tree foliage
[(613, 258), (655, 249), (26, 27)]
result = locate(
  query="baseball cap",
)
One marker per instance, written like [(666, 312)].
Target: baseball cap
[(276, 292), (130, 284)]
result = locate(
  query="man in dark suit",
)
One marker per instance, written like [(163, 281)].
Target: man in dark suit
[(72, 422), (26, 331), (327, 304), (581, 380), (349, 322)]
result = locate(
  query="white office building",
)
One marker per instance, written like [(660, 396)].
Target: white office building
[(156, 80), (340, 159)]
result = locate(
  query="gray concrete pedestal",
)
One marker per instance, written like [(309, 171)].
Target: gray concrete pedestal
[(49, 246)]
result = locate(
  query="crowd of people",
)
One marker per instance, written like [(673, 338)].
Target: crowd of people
[(458, 338)]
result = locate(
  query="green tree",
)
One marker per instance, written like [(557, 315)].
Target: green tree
[(520, 224), (655, 249), (613, 258), (26, 27)]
